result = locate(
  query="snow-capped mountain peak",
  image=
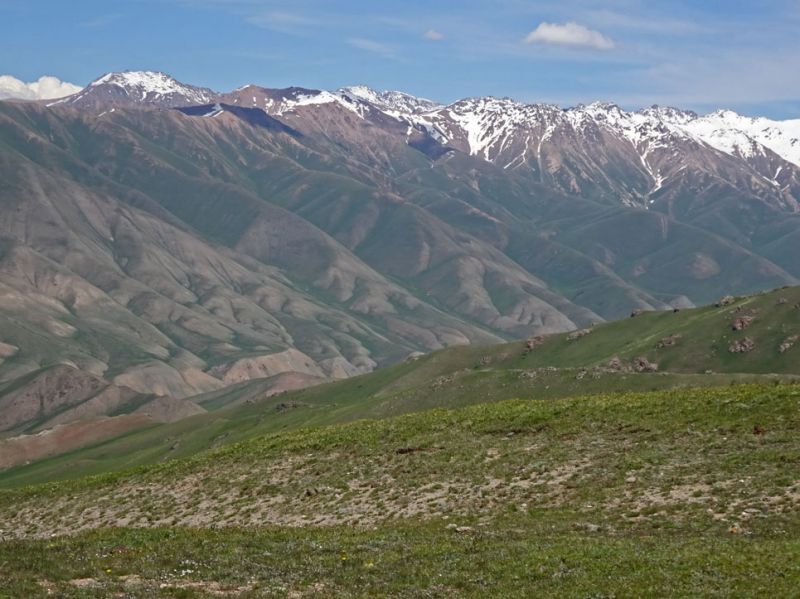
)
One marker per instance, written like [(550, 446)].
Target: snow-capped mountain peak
[(498, 129), (140, 88), (154, 85), (362, 92), (669, 114), (154, 81), (394, 103), (730, 130)]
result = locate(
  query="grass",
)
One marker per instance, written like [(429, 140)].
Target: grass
[(465, 472), (518, 558), (436, 381), (670, 493), (468, 375)]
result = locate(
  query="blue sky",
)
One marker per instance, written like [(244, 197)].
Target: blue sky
[(695, 54)]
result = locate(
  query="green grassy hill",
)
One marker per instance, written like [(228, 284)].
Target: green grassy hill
[(690, 492), (695, 353), (566, 465)]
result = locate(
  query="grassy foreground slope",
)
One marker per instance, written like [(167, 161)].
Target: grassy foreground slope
[(691, 492), (691, 349)]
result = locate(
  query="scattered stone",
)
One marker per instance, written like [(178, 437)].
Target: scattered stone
[(741, 323), (782, 301), (642, 364), (442, 381), (406, 450), (289, 405), (676, 310), (669, 341), (742, 346), (534, 342), (725, 301), (630, 479), (457, 528), (788, 343), (85, 583), (414, 356), (616, 364), (485, 360), (578, 334), (636, 313), (758, 430)]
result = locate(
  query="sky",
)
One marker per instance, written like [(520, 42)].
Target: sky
[(698, 54)]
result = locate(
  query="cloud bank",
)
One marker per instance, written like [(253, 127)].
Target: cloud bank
[(46, 88), (569, 34)]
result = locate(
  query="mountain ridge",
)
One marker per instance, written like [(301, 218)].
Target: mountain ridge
[(159, 89)]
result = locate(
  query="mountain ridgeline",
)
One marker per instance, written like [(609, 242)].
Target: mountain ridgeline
[(160, 240)]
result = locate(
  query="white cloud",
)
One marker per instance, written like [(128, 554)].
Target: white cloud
[(283, 22), (46, 88), (372, 46), (433, 35), (569, 34)]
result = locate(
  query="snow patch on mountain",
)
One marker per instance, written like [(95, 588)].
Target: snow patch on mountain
[(489, 127), (735, 133), (324, 97), (393, 103), (141, 87), (153, 83)]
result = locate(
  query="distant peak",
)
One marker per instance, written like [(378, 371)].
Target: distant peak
[(132, 88), (361, 90), (605, 106), (726, 113), (392, 101), (669, 113), (133, 78)]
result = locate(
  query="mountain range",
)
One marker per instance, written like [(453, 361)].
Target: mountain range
[(160, 240)]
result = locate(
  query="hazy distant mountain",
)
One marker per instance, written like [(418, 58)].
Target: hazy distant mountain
[(172, 240)]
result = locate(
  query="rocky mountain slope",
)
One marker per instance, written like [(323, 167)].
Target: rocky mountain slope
[(172, 240)]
